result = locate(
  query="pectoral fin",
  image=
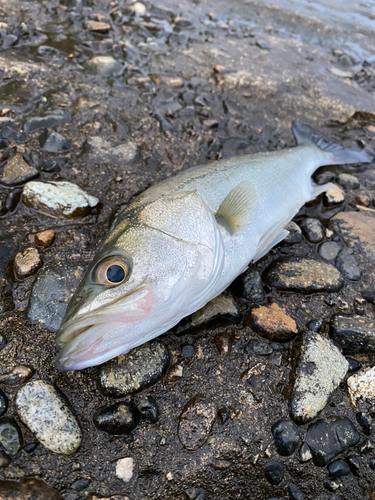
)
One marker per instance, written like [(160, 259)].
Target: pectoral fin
[(235, 211)]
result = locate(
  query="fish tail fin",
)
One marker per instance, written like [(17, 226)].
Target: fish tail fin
[(335, 153)]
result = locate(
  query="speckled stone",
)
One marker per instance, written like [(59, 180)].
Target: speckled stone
[(196, 421), (348, 181), (46, 413), (361, 390), (356, 229), (10, 435), (312, 229), (355, 334), (27, 263), (321, 368)]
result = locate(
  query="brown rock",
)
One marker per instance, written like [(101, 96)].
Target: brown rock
[(18, 375), (30, 489), (363, 200), (45, 238), (27, 263), (223, 342), (17, 171), (272, 321), (97, 26), (196, 421), (334, 196), (174, 82), (174, 373)]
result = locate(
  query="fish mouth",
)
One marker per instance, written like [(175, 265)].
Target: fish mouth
[(103, 334)]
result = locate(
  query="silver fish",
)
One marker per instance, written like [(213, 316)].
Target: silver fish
[(183, 241)]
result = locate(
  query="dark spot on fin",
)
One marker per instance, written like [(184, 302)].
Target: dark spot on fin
[(235, 210)]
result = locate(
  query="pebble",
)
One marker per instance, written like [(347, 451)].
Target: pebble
[(45, 238), (365, 421), (295, 234), (272, 321), (104, 66), (286, 437), (97, 26), (348, 181), (51, 292), (334, 196), (10, 134), (305, 453), (223, 342), (355, 334), (174, 373), (58, 199), (10, 435), (355, 466), (28, 489), (54, 142), (357, 230), (3, 403), (331, 485), (303, 275), (148, 409), (363, 200), (338, 468), (181, 22), (17, 171), (119, 418), (259, 348), (361, 390), (313, 230), (327, 439), (354, 365), (54, 164), (19, 375), (133, 371), (54, 118), (329, 250), (9, 41), (341, 73), (295, 493), (195, 494), (252, 286), (320, 370), (4, 459), (125, 468), (138, 8), (45, 412), (99, 150), (274, 472), (27, 263), (347, 265), (196, 421)]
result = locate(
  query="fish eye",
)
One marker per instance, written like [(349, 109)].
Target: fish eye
[(111, 271)]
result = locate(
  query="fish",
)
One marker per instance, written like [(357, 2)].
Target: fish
[(181, 243)]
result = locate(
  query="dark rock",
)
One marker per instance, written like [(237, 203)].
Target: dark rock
[(338, 468), (252, 286), (54, 142), (354, 365), (195, 422), (320, 369), (369, 295), (256, 378), (29, 489), (17, 171), (6, 300), (80, 485), (347, 264), (314, 325), (274, 472), (365, 421), (348, 181), (295, 493), (355, 466), (10, 435), (30, 447), (4, 459), (294, 236), (9, 41), (47, 52), (329, 250), (195, 494), (357, 230), (164, 124), (188, 351), (371, 463), (99, 150), (51, 119), (10, 134), (149, 409), (355, 334), (9, 201), (366, 447), (263, 45), (303, 275), (119, 418), (234, 143), (259, 348), (327, 439), (313, 230), (221, 465), (134, 371), (54, 164), (223, 342), (19, 375), (3, 402), (51, 292), (286, 437), (331, 485), (272, 321)]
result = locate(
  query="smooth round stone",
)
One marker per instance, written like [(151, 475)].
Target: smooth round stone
[(10, 435), (274, 472), (354, 365), (313, 230), (80, 485), (338, 468), (329, 250), (44, 410), (149, 409), (196, 421), (365, 421), (286, 437), (272, 321), (348, 181), (119, 418), (3, 402), (188, 351), (295, 493), (30, 447), (4, 459)]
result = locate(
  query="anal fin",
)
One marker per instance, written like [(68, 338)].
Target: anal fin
[(236, 208)]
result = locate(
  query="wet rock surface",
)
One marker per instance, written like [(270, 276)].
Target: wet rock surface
[(195, 422), (119, 418), (286, 437), (272, 321), (357, 230), (27, 263), (17, 171), (10, 435), (355, 334)]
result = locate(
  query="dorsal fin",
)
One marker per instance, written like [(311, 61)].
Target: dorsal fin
[(236, 208)]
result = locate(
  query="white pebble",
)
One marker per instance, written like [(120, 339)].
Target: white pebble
[(125, 469)]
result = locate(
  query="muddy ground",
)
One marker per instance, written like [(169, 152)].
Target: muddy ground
[(254, 68)]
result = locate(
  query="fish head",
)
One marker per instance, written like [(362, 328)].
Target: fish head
[(148, 274)]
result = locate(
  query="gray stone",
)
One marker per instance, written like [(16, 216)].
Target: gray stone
[(356, 229), (348, 181), (133, 371), (252, 286), (10, 435), (17, 171), (104, 66), (313, 230), (329, 250), (99, 150), (355, 334), (361, 390), (295, 234), (321, 368), (347, 264), (54, 142), (56, 118), (303, 275), (44, 410), (51, 292), (58, 199), (196, 421)]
